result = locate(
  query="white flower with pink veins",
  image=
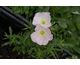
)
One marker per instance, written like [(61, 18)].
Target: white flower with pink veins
[(42, 18), (41, 35)]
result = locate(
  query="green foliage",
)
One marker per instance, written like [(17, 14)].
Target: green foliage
[(62, 23), (78, 26), (24, 44), (66, 32), (73, 57), (0, 56)]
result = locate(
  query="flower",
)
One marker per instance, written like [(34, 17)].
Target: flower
[(42, 18), (41, 35)]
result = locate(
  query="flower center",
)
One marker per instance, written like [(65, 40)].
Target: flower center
[(42, 32), (43, 22)]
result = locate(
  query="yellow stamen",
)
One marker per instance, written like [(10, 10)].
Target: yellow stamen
[(43, 22), (42, 32)]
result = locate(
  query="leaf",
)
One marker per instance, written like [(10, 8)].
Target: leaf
[(26, 36), (26, 12), (16, 48), (62, 23), (17, 11), (57, 55), (76, 8), (53, 54), (71, 27), (74, 57), (60, 43), (24, 28), (19, 53), (30, 13), (25, 8), (5, 44), (68, 45), (17, 42), (30, 51), (77, 49), (54, 9), (56, 49), (67, 15), (78, 26), (22, 11), (10, 30), (77, 18), (46, 8), (70, 42), (23, 51), (14, 8), (6, 35), (63, 9), (28, 23), (32, 7), (41, 7), (57, 27)]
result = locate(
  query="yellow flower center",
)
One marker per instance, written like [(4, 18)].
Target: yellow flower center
[(42, 32), (43, 22)]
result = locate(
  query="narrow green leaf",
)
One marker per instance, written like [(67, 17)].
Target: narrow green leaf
[(10, 30), (17, 42), (56, 49), (25, 8), (26, 36), (18, 53), (17, 11), (24, 28), (5, 44), (53, 54), (23, 51), (78, 26), (77, 49)]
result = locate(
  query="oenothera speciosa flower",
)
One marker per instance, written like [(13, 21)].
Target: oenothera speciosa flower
[(41, 35), (42, 18)]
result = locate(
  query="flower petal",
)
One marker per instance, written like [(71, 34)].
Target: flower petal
[(37, 19), (42, 41), (48, 24), (38, 27), (34, 36), (46, 15), (49, 36)]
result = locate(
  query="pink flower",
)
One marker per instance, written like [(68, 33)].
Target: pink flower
[(42, 18), (41, 35)]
